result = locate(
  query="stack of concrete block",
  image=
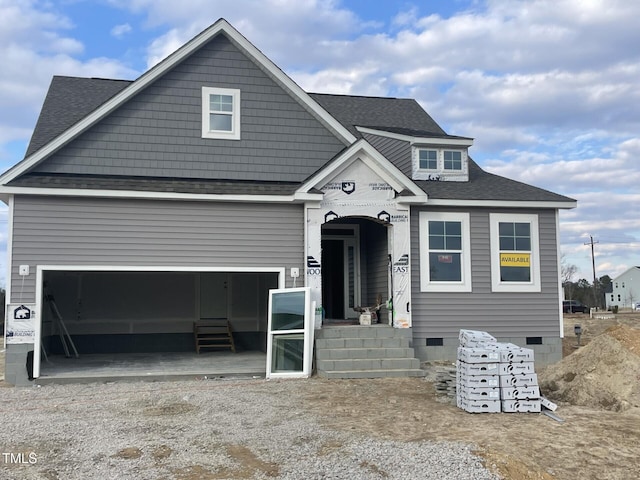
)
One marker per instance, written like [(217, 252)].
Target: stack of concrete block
[(495, 377), (477, 380)]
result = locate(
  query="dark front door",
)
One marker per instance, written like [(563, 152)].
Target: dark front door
[(333, 278)]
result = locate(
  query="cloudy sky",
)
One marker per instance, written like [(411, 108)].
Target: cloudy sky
[(549, 89)]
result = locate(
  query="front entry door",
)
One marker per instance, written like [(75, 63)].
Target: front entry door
[(340, 279)]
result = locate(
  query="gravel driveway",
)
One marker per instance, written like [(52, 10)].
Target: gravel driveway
[(201, 429)]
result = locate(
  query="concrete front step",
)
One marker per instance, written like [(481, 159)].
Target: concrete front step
[(363, 352), (361, 331), (388, 373), (389, 342), (375, 351), (369, 364)]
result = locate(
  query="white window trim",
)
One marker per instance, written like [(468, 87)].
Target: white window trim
[(426, 285), (234, 134), (439, 173), (498, 285)]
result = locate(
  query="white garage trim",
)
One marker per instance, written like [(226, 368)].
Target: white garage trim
[(41, 269)]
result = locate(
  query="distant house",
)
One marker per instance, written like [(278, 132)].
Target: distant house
[(143, 206), (625, 289)]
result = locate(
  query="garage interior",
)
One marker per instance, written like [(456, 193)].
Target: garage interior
[(130, 323)]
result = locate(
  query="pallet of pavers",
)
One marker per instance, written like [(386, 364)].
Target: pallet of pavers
[(478, 384), (495, 377), (519, 391)]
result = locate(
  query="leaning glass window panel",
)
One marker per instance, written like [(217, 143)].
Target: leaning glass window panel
[(288, 353), (288, 311)]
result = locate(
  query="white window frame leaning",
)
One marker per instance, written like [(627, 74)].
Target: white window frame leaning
[(234, 134), (497, 285), (426, 285)]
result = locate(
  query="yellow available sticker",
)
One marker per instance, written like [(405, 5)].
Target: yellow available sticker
[(515, 259)]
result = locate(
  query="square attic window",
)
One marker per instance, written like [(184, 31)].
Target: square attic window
[(220, 113)]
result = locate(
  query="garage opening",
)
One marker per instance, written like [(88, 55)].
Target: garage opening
[(131, 320)]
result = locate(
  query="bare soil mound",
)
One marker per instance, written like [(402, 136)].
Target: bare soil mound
[(603, 374)]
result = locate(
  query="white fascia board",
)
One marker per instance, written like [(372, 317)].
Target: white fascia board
[(416, 200), (221, 26), (461, 141), (156, 268), (502, 203), (373, 159), (298, 197), (345, 135)]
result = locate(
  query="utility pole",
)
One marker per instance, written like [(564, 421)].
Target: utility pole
[(593, 264)]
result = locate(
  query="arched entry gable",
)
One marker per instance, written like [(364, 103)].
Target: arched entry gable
[(357, 190)]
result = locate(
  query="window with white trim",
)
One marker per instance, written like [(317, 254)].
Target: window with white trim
[(445, 252), (428, 159), (438, 163), (452, 160), (220, 113), (515, 253)]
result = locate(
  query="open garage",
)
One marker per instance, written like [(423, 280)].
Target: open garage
[(93, 319)]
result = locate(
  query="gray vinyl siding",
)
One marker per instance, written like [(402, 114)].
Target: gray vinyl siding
[(157, 133), (503, 314), (397, 151), (121, 232)]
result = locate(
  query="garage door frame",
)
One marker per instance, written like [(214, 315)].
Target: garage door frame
[(41, 269)]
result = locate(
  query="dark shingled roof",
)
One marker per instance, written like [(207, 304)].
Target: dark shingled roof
[(483, 185), (70, 99), (352, 111), (154, 184)]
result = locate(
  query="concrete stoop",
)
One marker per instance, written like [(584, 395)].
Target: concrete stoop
[(358, 351)]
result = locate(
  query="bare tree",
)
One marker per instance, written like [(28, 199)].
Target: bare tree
[(567, 272)]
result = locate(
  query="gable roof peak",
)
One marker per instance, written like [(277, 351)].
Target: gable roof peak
[(221, 26)]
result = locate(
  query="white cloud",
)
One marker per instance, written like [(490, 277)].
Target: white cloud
[(35, 45), (119, 31)]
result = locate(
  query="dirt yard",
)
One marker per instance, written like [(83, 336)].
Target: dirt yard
[(597, 440), (595, 386)]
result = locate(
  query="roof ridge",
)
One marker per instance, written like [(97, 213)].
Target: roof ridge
[(361, 96)]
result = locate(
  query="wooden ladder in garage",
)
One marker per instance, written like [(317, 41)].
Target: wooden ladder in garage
[(65, 338), (213, 333)]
